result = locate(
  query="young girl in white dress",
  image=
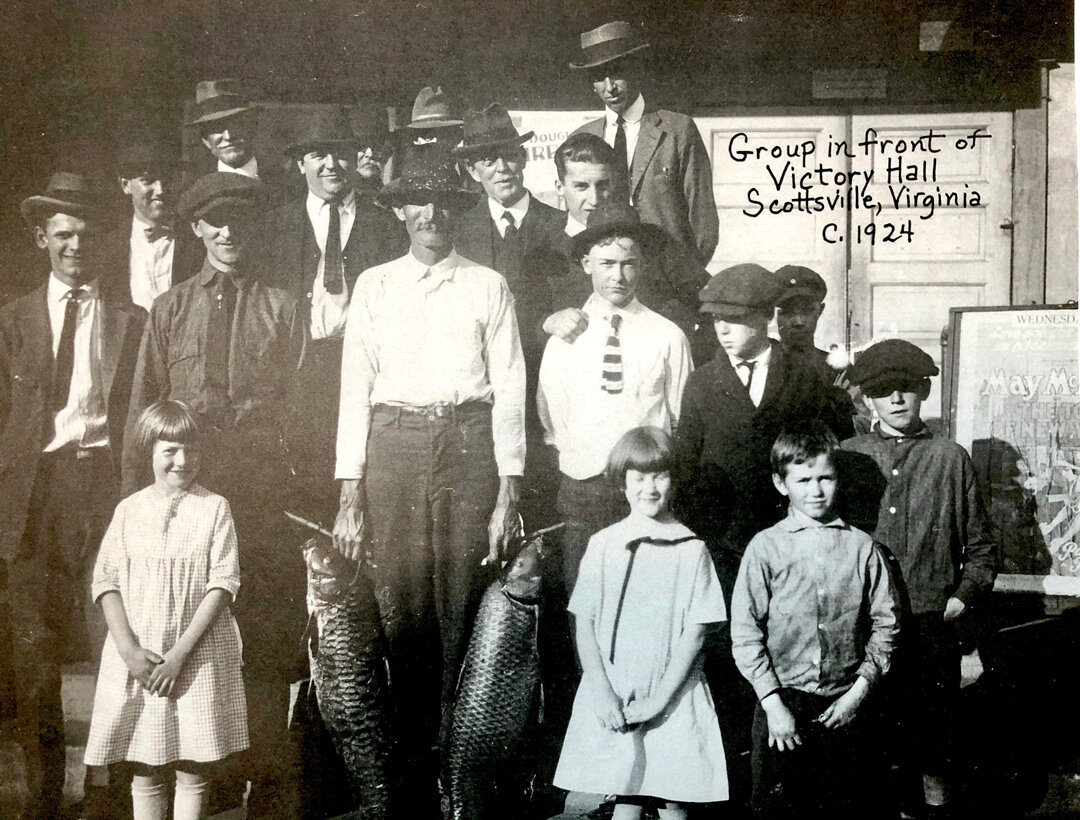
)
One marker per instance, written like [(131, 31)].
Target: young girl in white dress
[(643, 726), (169, 694)]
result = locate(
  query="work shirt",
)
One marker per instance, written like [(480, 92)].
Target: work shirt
[(517, 210), (631, 127), (582, 420), (248, 169), (82, 421), (421, 335), (266, 346), (150, 268), (813, 608), (931, 514), (329, 310)]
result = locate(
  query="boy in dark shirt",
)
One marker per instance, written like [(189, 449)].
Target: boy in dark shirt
[(813, 622), (932, 518)]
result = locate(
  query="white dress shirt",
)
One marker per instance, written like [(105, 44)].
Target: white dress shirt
[(580, 419), (150, 268), (419, 335), (631, 127), (329, 310), (248, 169), (517, 210), (573, 227), (759, 375), (82, 421)]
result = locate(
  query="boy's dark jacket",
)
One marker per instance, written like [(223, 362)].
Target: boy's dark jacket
[(919, 496), (723, 486)]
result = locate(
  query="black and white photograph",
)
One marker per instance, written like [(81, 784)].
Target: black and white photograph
[(473, 410)]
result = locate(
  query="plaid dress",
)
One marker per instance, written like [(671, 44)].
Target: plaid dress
[(162, 554)]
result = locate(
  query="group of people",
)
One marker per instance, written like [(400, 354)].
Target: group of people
[(422, 366)]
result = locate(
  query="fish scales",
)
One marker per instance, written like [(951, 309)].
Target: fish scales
[(496, 697), (349, 673)]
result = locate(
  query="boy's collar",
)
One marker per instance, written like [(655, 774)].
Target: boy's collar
[(922, 432), (797, 521)]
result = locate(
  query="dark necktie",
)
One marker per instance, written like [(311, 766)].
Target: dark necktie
[(611, 375), (219, 332), (65, 351), (632, 546), (620, 144), (511, 227), (333, 276), (156, 232), (749, 365)]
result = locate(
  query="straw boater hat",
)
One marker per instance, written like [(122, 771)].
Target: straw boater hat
[(219, 99), (328, 128), (66, 193), (434, 109), (428, 174), (609, 42), (489, 130)]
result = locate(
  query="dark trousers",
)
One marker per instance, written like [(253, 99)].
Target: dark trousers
[(313, 490), (587, 506), (831, 775), (431, 485), (250, 468), (52, 618)]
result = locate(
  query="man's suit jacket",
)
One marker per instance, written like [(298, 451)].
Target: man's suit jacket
[(26, 373), (477, 239), (721, 448), (671, 179), (188, 254), (288, 256)]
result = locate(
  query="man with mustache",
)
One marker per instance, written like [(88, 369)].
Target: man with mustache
[(67, 351), (229, 345), (148, 256), (662, 155), (316, 245), (430, 449)]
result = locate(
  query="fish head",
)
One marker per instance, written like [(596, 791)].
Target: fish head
[(329, 573), (524, 572)]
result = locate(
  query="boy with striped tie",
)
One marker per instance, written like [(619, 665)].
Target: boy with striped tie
[(626, 370)]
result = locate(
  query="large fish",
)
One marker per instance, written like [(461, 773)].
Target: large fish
[(349, 674), (498, 690)]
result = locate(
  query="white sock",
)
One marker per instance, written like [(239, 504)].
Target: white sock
[(149, 801), (190, 798)]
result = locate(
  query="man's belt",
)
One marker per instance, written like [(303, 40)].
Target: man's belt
[(436, 410)]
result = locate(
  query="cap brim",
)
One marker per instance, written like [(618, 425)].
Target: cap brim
[(609, 58), (798, 293), (481, 148), (729, 311), (889, 376), (221, 115), (236, 202), (34, 205)]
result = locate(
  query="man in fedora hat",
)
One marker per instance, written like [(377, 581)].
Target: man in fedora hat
[(315, 246), (435, 122), (226, 122), (431, 448), (229, 345), (67, 350), (665, 161), (148, 256)]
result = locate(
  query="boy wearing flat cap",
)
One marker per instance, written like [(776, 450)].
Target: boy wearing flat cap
[(229, 345), (932, 518)]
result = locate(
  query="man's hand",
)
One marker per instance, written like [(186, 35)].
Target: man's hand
[(954, 608), (842, 710), (141, 663), (505, 524), (608, 707), (349, 529), (567, 324), (164, 676), (782, 732)]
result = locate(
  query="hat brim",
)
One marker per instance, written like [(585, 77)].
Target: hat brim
[(481, 148), (652, 236), (395, 195), (726, 310), (799, 293), (609, 58), (32, 206), (299, 149), (434, 122), (237, 202), (889, 376), (222, 115)]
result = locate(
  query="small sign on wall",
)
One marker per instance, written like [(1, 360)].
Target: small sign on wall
[(850, 84)]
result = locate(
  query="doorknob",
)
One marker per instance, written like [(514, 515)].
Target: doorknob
[(1007, 225)]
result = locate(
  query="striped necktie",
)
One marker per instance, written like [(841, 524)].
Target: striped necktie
[(611, 376)]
